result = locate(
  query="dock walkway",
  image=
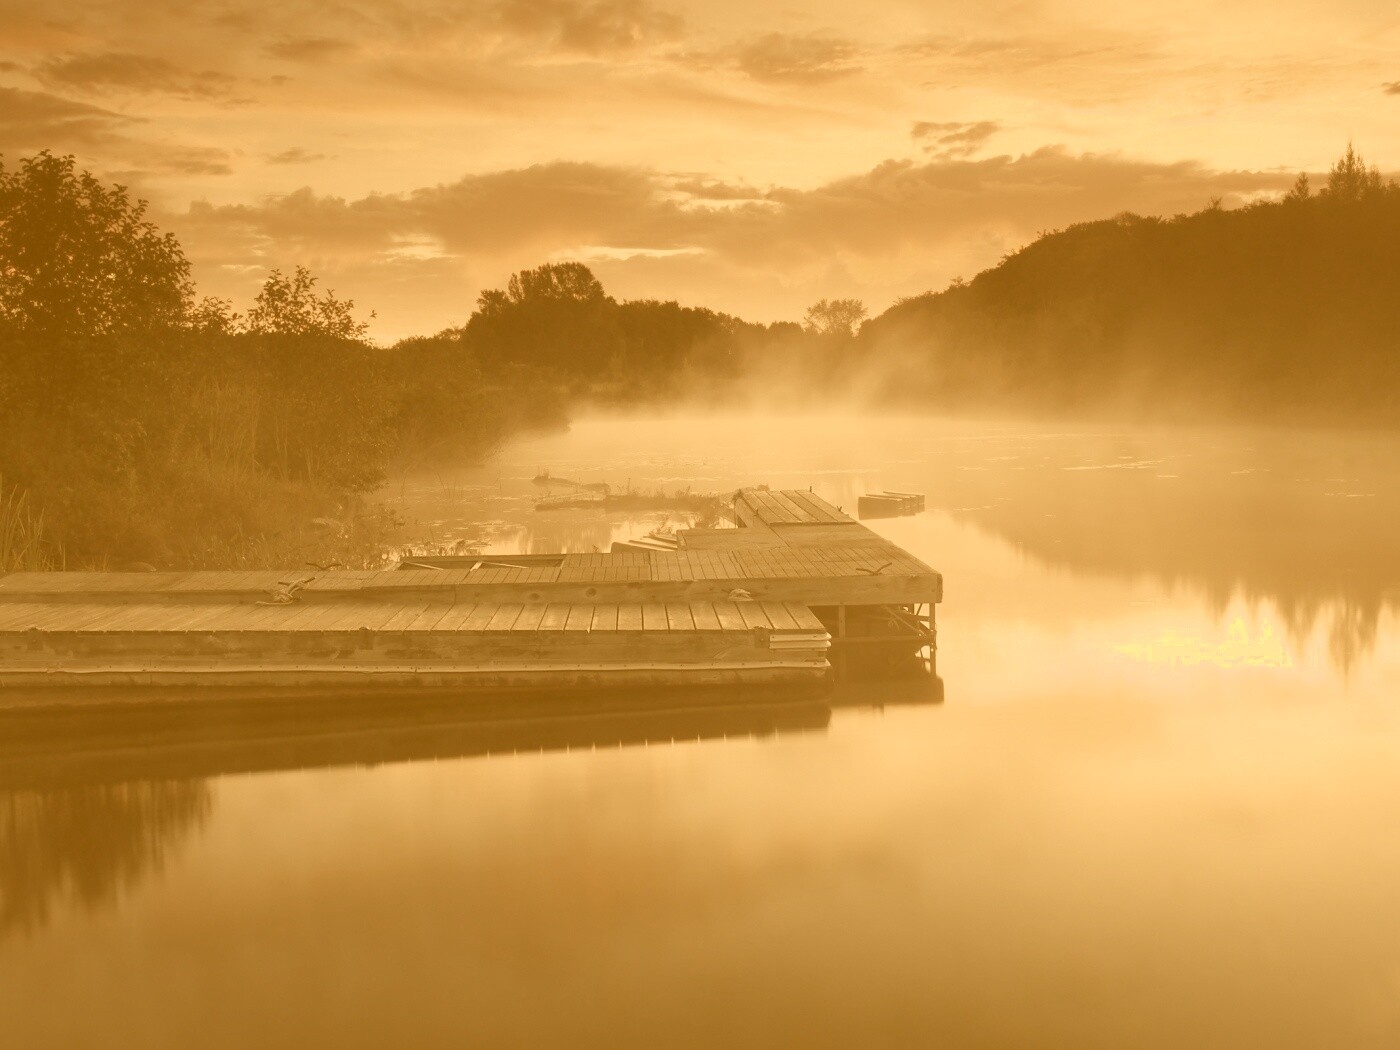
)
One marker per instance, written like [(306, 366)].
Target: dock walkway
[(727, 605)]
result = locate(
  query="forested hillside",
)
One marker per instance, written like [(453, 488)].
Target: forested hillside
[(1282, 310)]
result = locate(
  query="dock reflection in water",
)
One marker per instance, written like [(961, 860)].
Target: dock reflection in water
[(94, 798)]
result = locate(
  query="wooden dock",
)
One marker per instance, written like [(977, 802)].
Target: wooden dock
[(756, 603)]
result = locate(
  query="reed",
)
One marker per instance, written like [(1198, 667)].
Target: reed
[(22, 544)]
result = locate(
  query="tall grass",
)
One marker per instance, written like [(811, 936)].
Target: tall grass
[(22, 543)]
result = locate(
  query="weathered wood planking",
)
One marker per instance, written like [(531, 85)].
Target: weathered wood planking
[(760, 507), (725, 600)]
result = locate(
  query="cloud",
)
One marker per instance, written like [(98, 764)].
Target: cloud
[(699, 188), (1392, 88), (1079, 67), (953, 139), (896, 205), (598, 28), (119, 71), (798, 59), (778, 58), (310, 49), (36, 120), (898, 228), (905, 206), (295, 155)]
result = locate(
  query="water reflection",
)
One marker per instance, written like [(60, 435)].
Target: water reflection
[(86, 845), (93, 801), (1300, 521), (1151, 815)]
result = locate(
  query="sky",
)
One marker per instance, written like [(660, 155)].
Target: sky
[(752, 158)]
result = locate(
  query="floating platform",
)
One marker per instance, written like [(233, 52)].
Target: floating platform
[(766, 602), (889, 504)]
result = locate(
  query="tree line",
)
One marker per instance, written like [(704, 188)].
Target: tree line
[(143, 425), (140, 424), (1282, 310)]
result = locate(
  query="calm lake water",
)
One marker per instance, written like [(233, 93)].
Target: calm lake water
[(1158, 806)]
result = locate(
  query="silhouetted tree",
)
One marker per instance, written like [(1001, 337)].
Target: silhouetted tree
[(290, 306), (570, 281), (1301, 190), (556, 317), (80, 258), (1350, 180), (835, 317)]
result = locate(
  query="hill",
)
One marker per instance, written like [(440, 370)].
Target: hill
[(1282, 311)]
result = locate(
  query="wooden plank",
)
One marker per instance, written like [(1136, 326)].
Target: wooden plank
[(233, 619), (60, 617), (271, 617), (654, 617), (331, 613), (21, 616), (314, 614), (457, 615), (156, 617), (678, 617), (820, 509), (704, 617), (811, 510), (799, 514), (806, 619), (339, 582), (404, 579), (580, 618), (505, 617), (289, 615), (530, 617), (150, 617), (429, 617), (43, 582), (730, 619), (753, 614), (115, 613), (743, 508), (779, 617), (556, 617), (208, 613), (629, 617), (769, 512), (479, 617), (399, 620), (604, 618), (222, 582)]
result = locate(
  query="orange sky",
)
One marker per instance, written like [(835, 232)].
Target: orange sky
[(748, 157)]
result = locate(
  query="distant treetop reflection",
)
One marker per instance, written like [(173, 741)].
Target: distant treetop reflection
[(1302, 520), (87, 845)]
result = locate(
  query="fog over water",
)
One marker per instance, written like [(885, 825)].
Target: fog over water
[(1156, 807)]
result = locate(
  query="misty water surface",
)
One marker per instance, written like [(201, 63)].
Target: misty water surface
[(1156, 808)]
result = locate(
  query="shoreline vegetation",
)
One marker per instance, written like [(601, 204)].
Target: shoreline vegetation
[(142, 427)]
